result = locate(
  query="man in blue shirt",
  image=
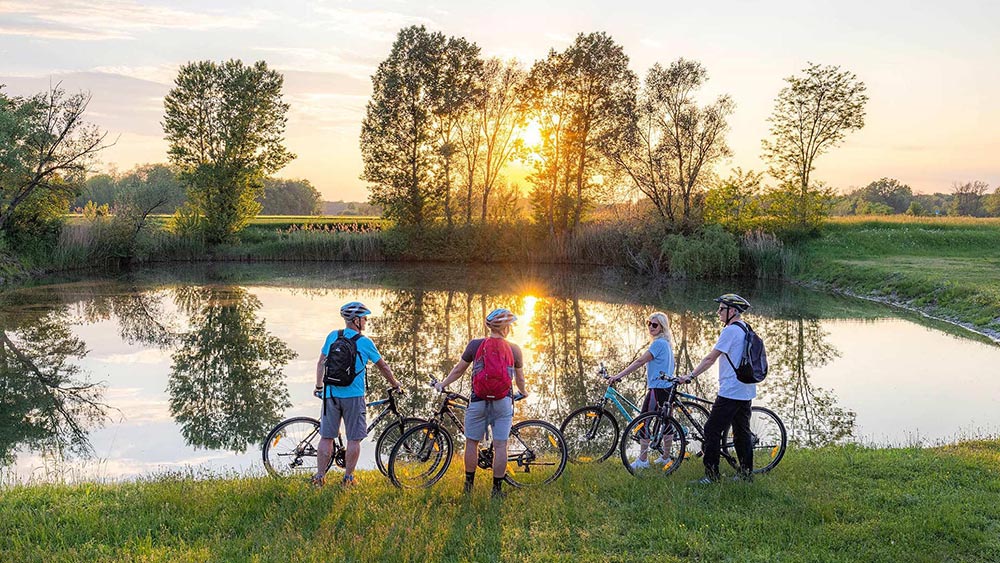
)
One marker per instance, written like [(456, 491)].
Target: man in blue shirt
[(732, 406), (347, 402)]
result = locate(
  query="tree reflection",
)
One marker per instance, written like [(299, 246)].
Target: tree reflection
[(43, 403), (226, 384), (811, 414)]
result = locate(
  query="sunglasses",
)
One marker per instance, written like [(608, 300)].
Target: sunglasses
[(651, 324)]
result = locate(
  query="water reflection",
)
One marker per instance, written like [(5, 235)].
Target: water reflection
[(225, 341), (226, 384), (46, 403)]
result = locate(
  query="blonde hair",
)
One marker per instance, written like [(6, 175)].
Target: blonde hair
[(661, 317)]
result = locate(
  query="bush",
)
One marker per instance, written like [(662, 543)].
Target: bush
[(712, 252)]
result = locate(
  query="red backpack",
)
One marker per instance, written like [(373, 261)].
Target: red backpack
[(493, 369)]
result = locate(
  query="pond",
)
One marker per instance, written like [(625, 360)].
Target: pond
[(185, 369)]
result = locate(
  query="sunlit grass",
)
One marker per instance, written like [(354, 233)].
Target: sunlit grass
[(839, 503)]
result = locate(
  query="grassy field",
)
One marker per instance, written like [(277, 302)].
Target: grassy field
[(840, 503), (947, 267)]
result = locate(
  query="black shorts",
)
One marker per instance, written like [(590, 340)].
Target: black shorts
[(655, 398)]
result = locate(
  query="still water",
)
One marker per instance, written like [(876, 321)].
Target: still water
[(186, 369)]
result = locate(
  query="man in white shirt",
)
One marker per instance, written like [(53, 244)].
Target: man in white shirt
[(732, 406)]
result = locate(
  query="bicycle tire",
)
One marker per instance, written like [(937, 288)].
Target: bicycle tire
[(536, 454), (654, 427), (770, 440), (291, 447), (591, 434), (388, 438), (692, 435), (421, 456)]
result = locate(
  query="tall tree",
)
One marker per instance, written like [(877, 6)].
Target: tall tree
[(225, 123), (397, 140), (578, 97), (458, 86), (488, 137), (669, 149), (812, 114), (45, 145), (889, 192)]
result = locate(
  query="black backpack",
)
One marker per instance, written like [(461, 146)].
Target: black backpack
[(753, 363), (340, 360)]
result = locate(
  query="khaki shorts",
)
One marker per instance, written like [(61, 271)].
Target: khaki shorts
[(497, 414), (351, 410)]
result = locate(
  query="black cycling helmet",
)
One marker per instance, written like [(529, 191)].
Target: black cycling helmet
[(353, 310), (733, 301)]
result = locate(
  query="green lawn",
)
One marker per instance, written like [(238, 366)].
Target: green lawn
[(841, 503), (948, 268)]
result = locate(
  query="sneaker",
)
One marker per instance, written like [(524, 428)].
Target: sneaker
[(706, 480), (317, 481), (498, 494), (742, 477), (639, 464), (347, 481)]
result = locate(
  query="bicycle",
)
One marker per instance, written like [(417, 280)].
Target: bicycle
[(536, 451), (661, 434), (299, 440), (591, 432)]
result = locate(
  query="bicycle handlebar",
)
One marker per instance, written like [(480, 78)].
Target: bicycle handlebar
[(670, 378)]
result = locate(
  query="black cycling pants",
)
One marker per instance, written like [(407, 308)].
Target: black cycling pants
[(726, 412)]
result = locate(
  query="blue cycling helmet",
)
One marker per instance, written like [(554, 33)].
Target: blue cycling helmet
[(353, 310), (500, 318)]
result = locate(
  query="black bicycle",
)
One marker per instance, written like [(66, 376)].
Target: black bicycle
[(658, 441), (536, 451), (291, 448)]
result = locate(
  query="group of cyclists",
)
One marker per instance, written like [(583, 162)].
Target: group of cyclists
[(497, 366)]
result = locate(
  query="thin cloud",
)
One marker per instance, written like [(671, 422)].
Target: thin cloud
[(308, 59), (376, 25), (111, 19)]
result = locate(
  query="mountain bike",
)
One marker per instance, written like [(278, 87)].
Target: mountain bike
[(592, 433), (660, 441), (536, 451), (292, 446)]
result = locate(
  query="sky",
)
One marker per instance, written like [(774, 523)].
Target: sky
[(932, 68)]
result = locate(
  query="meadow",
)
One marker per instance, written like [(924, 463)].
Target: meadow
[(837, 503), (946, 267)]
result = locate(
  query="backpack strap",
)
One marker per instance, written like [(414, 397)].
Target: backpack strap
[(746, 335)]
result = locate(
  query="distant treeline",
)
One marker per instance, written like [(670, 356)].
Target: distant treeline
[(888, 196), (280, 197)]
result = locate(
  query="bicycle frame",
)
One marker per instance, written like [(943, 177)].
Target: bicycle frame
[(628, 410)]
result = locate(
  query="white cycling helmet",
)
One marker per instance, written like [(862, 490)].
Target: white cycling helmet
[(353, 310), (500, 318)]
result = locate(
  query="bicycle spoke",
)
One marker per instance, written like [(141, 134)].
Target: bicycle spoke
[(536, 453)]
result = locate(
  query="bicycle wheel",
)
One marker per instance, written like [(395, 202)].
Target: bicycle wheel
[(769, 439), (690, 426), (591, 434), (421, 456), (291, 447), (536, 454), (663, 450), (388, 438)]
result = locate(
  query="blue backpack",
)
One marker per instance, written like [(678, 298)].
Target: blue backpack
[(753, 364)]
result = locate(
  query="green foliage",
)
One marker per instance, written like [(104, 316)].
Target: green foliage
[(289, 197), (712, 252), (44, 147), (187, 221), (796, 211), (763, 255), (225, 124), (887, 192), (915, 209), (735, 202), (872, 208)]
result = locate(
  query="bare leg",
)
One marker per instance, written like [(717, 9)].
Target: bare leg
[(351, 458), (323, 454), (472, 455), (499, 458), (643, 450)]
